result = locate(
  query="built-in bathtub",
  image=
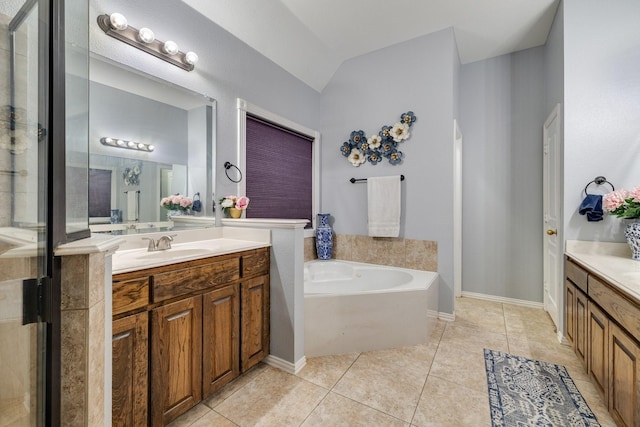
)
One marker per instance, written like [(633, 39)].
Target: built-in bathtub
[(351, 306)]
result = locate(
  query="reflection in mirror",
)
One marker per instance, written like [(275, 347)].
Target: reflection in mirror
[(126, 183)]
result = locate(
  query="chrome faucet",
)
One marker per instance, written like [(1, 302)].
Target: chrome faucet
[(162, 244)]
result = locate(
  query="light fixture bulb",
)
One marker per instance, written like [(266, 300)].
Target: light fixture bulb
[(131, 144), (120, 142), (146, 35), (118, 21), (151, 147), (170, 47), (141, 146), (190, 58), (108, 140)]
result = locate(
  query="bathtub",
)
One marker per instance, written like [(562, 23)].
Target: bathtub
[(355, 307)]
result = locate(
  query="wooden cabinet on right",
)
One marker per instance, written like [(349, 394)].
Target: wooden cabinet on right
[(603, 327)]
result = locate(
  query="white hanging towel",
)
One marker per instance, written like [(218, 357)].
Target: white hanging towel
[(384, 206), (132, 205)]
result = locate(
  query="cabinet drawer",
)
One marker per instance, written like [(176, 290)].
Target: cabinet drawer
[(577, 275), (179, 282), (130, 294), (616, 306), (255, 264)]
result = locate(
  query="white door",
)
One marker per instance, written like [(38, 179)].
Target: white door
[(552, 205), (457, 210)]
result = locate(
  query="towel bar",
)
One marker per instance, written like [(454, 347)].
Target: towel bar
[(599, 180), (354, 180)]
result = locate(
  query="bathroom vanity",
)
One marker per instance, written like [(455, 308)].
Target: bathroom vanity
[(185, 324), (602, 318)]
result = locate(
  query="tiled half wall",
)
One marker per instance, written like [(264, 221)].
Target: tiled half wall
[(397, 252)]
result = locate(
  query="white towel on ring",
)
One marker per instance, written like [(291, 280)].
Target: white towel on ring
[(383, 195)]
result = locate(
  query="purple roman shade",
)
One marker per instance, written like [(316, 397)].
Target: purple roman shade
[(278, 171)]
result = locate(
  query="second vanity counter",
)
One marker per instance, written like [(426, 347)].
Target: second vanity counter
[(187, 245), (611, 261)]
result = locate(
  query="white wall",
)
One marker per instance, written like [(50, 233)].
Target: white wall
[(602, 106), (501, 116), (373, 90)]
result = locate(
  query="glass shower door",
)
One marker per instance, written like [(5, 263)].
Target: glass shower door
[(23, 231)]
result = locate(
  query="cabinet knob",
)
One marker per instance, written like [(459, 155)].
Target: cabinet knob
[(552, 232)]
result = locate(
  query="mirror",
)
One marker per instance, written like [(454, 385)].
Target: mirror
[(126, 184)]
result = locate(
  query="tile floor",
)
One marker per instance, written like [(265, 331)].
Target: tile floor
[(442, 383)]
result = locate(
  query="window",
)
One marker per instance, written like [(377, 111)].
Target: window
[(279, 160)]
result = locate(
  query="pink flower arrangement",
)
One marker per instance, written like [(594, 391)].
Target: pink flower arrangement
[(623, 203), (176, 202), (238, 202)]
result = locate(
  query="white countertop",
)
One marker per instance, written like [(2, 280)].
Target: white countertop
[(187, 245), (611, 261)]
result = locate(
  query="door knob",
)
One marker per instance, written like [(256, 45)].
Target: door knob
[(552, 232)]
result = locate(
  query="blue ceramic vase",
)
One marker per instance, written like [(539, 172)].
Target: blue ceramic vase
[(324, 237), (632, 234)]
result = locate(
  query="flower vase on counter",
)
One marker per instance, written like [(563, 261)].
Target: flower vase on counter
[(115, 216), (632, 234), (324, 237), (625, 204), (235, 213)]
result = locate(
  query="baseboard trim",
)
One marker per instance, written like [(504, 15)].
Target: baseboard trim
[(283, 365), (494, 298), (446, 316)]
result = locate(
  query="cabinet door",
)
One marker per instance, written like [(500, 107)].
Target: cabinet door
[(129, 379), (176, 359), (255, 321), (624, 378), (570, 315), (581, 324), (220, 338), (597, 357)]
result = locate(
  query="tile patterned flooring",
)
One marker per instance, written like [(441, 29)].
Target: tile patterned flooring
[(442, 383)]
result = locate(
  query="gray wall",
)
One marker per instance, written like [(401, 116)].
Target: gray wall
[(602, 106), (372, 90), (227, 69), (501, 112), (118, 114)]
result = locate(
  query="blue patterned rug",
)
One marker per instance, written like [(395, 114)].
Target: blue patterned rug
[(525, 392)]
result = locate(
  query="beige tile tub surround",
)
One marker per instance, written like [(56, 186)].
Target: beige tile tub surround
[(393, 251)]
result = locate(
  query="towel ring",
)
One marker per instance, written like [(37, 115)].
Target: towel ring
[(599, 180), (229, 165)]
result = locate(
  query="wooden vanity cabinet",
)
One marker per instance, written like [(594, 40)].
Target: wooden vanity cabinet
[(204, 323), (255, 321), (220, 338), (130, 367), (176, 359), (611, 350), (576, 310)]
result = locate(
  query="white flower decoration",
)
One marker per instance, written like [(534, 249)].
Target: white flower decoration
[(374, 142), (400, 132), (356, 157)]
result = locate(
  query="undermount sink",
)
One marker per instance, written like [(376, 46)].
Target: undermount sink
[(173, 253)]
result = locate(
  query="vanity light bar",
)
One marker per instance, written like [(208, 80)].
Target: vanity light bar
[(115, 25), (130, 145)]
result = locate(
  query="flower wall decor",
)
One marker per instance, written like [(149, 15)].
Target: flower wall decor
[(360, 149), (131, 175)]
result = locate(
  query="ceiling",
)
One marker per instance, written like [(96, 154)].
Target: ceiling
[(311, 38)]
